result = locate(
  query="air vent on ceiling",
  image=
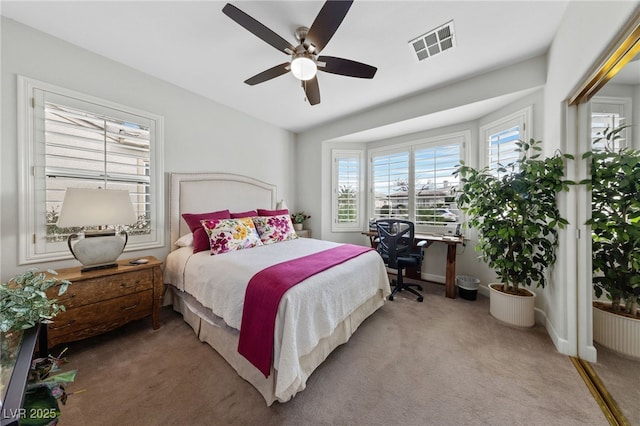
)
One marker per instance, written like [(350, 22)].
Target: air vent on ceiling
[(434, 42)]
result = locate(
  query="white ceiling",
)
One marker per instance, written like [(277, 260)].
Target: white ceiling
[(195, 46)]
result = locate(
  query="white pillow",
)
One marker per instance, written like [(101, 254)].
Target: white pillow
[(185, 240)]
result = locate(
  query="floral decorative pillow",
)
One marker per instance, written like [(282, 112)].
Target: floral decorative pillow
[(231, 234), (200, 239), (273, 229)]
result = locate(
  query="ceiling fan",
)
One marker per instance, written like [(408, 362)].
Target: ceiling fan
[(305, 61)]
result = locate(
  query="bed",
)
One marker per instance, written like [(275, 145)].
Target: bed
[(313, 317)]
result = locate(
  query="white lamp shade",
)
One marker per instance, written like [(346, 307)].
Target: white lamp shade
[(303, 68), (96, 207)]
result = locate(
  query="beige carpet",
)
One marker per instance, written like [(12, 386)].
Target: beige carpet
[(441, 362), (621, 376)]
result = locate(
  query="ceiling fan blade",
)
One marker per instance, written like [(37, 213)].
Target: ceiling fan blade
[(258, 29), (273, 72), (327, 22), (346, 67), (312, 90)]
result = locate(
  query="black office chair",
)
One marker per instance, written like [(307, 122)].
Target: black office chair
[(397, 247)]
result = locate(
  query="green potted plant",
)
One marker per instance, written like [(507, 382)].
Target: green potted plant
[(615, 231), (45, 389), (298, 220), (24, 303), (517, 218)]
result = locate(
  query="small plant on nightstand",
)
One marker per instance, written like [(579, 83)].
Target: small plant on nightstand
[(298, 220)]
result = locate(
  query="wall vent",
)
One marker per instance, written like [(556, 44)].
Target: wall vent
[(434, 42)]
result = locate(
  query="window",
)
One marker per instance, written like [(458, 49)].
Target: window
[(347, 191), (435, 184), (416, 182), (390, 185), (500, 139), (609, 113), (73, 140)]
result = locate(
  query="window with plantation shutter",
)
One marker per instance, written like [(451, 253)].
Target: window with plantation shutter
[(390, 184), (415, 182), (347, 190), (609, 113), (500, 139), (435, 184), (73, 140)]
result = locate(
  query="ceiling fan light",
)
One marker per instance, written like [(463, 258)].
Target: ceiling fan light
[(303, 67)]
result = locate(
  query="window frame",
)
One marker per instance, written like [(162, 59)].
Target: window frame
[(358, 155), (411, 147), (32, 227), (603, 105), (522, 118)]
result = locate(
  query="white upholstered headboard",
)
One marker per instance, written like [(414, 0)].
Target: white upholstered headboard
[(207, 192)]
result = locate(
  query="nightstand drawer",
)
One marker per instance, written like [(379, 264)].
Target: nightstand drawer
[(90, 320), (84, 292)]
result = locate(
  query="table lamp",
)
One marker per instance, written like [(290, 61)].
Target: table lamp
[(96, 207)]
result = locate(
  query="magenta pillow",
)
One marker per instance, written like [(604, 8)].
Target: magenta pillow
[(200, 237), (250, 213), (263, 212)]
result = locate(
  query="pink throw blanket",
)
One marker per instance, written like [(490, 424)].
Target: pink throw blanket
[(263, 294)]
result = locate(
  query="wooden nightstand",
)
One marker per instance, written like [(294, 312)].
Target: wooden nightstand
[(304, 233), (101, 300)]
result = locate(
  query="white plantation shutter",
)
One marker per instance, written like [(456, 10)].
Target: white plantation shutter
[(347, 190), (502, 148), (610, 113), (390, 180), (500, 139), (435, 184), (415, 181), (87, 150), (79, 141)]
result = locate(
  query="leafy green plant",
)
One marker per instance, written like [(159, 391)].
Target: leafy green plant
[(615, 221), (516, 215), (24, 302), (299, 217), (45, 390)]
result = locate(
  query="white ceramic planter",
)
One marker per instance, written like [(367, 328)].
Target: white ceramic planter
[(512, 309), (617, 332), (297, 226)]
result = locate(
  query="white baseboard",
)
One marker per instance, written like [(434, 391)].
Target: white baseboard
[(433, 278), (562, 345)]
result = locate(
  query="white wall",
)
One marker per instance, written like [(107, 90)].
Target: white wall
[(200, 135)]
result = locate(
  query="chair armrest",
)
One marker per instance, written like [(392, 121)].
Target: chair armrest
[(421, 243)]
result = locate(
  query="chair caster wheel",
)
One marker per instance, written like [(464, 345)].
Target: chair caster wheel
[(390, 297), (420, 299)]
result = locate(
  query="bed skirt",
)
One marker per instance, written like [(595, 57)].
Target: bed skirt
[(211, 329)]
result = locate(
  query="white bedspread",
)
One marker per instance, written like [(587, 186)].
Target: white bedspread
[(308, 312)]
